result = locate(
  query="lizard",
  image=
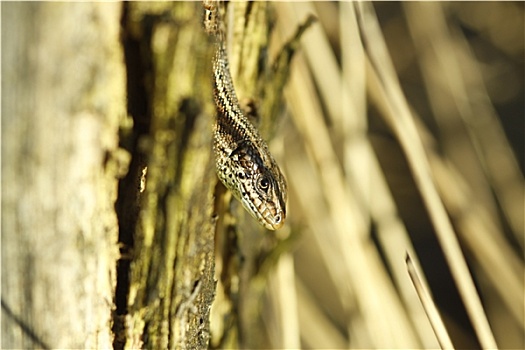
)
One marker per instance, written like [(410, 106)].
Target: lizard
[(243, 160)]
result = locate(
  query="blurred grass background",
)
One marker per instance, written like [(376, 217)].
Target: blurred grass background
[(403, 133)]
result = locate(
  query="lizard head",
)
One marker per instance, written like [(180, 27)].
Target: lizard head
[(259, 185)]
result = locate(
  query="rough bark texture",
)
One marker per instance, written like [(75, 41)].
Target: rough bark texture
[(62, 96), (106, 146), (64, 117), (171, 275)]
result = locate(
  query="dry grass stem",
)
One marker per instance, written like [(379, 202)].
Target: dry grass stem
[(429, 306), (391, 142)]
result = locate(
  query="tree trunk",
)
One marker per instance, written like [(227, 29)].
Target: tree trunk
[(110, 200), (67, 139), (171, 275), (63, 92)]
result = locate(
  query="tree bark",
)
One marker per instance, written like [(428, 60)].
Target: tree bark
[(63, 93), (71, 75), (171, 276), (110, 199)]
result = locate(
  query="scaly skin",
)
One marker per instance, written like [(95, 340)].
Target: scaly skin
[(243, 161)]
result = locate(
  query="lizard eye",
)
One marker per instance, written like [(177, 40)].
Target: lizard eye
[(264, 183)]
